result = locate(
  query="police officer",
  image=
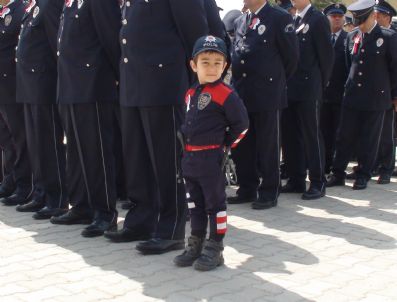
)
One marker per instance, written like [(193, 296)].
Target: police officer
[(333, 94), (265, 55), (387, 149), (36, 89), (11, 14), (372, 57), (88, 60), (157, 38), (303, 142)]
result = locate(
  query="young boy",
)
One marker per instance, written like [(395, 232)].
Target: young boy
[(215, 120)]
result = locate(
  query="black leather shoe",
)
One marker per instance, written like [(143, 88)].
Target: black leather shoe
[(98, 227), (71, 217), (360, 184), (6, 191), (240, 199), (261, 204), (127, 205), (293, 188), (157, 246), (32, 206), (126, 235), (47, 213), (334, 181), (314, 193), (383, 179), (14, 199)]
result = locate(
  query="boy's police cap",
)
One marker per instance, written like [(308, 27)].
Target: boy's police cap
[(209, 43), (335, 9)]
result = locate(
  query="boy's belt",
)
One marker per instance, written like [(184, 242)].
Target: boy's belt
[(201, 148)]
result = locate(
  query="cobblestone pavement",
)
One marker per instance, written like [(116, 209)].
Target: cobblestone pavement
[(341, 248)]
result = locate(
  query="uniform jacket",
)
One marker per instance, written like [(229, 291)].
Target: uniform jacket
[(36, 53), (394, 91), (212, 108), (315, 60), (265, 54), (157, 39), (89, 51), (336, 86), (215, 24), (10, 22), (373, 69)]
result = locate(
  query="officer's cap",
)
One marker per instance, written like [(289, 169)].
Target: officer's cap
[(230, 18), (286, 4), (383, 7), (361, 8), (335, 9), (209, 43)]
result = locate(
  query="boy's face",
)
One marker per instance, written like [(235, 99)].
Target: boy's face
[(209, 67)]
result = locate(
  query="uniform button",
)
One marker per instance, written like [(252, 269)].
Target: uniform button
[(242, 61), (125, 22), (125, 60), (362, 50), (244, 37), (30, 23), (188, 140), (3, 31), (128, 3), (189, 123), (88, 65), (361, 62), (359, 84), (161, 65), (146, 0), (303, 39), (242, 48), (124, 41), (16, 47), (21, 25), (271, 79), (5, 75), (264, 41), (58, 53), (383, 91), (378, 52), (59, 40), (32, 69), (306, 78), (76, 16), (244, 75), (360, 73), (16, 60)]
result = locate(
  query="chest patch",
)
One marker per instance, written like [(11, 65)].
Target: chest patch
[(261, 29), (36, 11), (80, 3), (379, 42), (306, 28), (7, 20), (203, 100)]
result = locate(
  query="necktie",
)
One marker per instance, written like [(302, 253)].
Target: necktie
[(297, 21), (333, 39)]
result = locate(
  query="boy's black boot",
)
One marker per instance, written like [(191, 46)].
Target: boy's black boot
[(211, 256), (191, 252)]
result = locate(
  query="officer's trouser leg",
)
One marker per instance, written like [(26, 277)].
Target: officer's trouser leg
[(371, 123), (47, 152), (118, 154), (309, 121), (7, 155), (346, 139), (293, 148), (14, 118), (387, 147)]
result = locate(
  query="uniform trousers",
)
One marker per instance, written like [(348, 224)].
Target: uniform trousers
[(387, 147), (90, 158), (362, 129), (329, 123), (152, 163), (7, 155), (303, 143), (205, 192), (13, 115), (258, 156), (47, 153)]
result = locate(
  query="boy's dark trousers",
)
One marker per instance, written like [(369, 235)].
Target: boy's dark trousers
[(205, 192)]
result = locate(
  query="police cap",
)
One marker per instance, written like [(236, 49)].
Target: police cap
[(383, 7), (209, 43), (335, 9)]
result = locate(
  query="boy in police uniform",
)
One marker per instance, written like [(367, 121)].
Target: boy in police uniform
[(216, 119)]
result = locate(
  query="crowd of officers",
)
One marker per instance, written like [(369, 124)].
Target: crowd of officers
[(109, 77)]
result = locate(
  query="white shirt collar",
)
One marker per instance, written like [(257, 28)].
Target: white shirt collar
[(337, 34), (258, 11), (304, 11)]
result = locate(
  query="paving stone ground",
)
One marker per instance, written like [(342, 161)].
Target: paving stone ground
[(341, 248)]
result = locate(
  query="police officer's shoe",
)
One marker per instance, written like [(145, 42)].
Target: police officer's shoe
[(15, 199), (360, 184), (47, 213), (383, 179), (334, 181), (211, 257), (98, 227), (314, 193), (261, 204), (6, 191), (32, 206), (240, 199), (191, 253), (126, 235), (290, 187), (71, 217), (157, 246)]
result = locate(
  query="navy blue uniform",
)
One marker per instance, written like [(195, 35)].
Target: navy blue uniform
[(36, 88), (265, 54), (332, 99), (373, 75), (156, 38), (10, 23), (211, 108), (302, 139), (88, 68)]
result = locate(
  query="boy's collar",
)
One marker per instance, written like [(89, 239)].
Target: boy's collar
[(197, 85)]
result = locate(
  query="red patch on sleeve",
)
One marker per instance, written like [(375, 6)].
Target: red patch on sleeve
[(219, 93)]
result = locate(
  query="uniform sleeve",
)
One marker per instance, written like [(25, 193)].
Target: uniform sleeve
[(237, 117), (287, 43), (392, 58), (191, 20), (107, 21), (51, 23), (347, 53), (323, 47)]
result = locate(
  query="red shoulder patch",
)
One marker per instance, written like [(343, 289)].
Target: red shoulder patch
[(189, 95), (219, 93)]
